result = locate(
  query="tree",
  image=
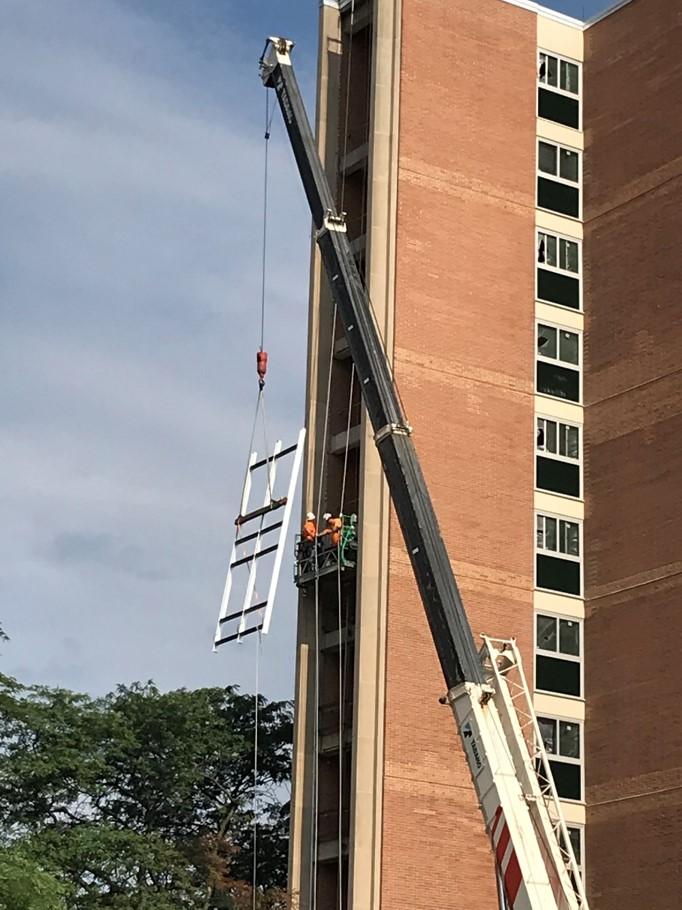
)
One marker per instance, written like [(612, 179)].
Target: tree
[(144, 800), (24, 885)]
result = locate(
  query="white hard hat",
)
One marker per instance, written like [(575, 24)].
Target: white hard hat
[(310, 516), (327, 515)]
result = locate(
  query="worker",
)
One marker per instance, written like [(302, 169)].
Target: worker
[(332, 530), (308, 534)]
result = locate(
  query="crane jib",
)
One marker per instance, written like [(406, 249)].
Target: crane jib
[(447, 619)]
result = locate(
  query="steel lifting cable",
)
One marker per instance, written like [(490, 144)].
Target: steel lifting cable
[(341, 671), (316, 732), (261, 369), (341, 674), (342, 656), (256, 706)]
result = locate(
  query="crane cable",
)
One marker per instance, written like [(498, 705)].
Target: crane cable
[(343, 655), (316, 700), (256, 705), (261, 369), (316, 731)]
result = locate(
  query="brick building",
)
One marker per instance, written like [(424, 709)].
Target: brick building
[(512, 179)]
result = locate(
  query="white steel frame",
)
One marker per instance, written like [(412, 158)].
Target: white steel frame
[(573, 826), (513, 697), (242, 614)]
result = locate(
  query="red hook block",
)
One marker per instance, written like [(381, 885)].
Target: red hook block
[(261, 367)]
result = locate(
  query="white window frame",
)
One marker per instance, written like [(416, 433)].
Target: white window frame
[(560, 655), (567, 148), (544, 232), (559, 554), (569, 366), (556, 756), (543, 52), (556, 268), (557, 359), (557, 457)]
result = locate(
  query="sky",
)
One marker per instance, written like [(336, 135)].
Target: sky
[(131, 173)]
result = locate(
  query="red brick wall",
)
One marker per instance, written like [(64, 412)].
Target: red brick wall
[(633, 455), (464, 363)]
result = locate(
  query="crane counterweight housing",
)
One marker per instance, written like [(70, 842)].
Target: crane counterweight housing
[(487, 690)]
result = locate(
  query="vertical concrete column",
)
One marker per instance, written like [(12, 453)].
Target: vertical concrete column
[(319, 341), (367, 770)]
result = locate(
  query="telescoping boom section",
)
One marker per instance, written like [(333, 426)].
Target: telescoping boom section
[(535, 862)]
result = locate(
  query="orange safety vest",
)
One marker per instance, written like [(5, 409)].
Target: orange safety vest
[(335, 525), (309, 531)]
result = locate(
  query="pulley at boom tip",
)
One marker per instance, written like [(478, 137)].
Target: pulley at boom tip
[(276, 50)]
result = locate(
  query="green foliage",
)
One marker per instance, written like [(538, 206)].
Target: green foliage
[(24, 885), (142, 800)]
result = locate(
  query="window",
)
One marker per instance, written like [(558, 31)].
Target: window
[(558, 178), (558, 161), (557, 462), (558, 535), (558, 548), (558, 73), (575, 834), (558, 655), (558, 90), (562, 740), (558, 270), (558, 362)]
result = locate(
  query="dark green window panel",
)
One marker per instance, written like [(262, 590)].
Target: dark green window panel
[(557, 476), (552, 674), (555, 287), (567, 779), (558, 197), (556, 574), (558, 381), (559, 108)]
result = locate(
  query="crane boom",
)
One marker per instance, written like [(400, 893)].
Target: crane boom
[(536, 866)]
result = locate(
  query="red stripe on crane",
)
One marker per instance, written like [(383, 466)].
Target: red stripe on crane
[(502, 844), (512, 878), (496, 821)]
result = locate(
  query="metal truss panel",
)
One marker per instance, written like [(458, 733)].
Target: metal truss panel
[(261, 531)]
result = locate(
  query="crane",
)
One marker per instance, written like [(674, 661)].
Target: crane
[(486, 688)]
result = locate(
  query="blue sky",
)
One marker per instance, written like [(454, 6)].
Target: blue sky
[(131, 177)]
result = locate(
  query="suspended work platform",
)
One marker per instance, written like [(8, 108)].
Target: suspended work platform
[(313, 560), (260, 537)]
